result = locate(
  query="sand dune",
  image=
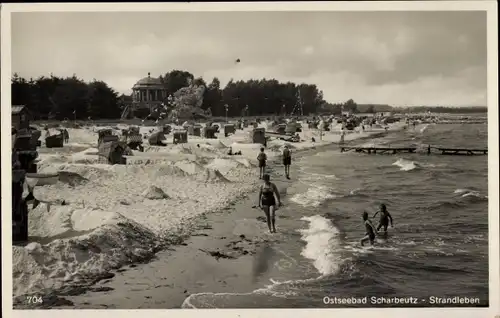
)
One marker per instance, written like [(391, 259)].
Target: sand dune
[(155, 193)]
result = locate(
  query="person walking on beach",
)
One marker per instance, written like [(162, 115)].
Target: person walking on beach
[(342, 135), (370, 230), (262, 158), (385, 216), (287, 161), (66, 135), (267, 201)]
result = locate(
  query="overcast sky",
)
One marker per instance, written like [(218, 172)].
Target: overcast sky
[(397, 58)]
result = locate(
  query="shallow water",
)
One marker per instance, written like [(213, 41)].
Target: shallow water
[(438, 246)]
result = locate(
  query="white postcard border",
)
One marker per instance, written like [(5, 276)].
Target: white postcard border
[(493, 180)]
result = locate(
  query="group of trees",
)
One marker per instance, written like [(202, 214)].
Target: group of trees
[(58, 98), (443, 109), (355, 108), (252, 97)]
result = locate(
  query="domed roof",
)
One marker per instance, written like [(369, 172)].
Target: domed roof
[(149, 82)]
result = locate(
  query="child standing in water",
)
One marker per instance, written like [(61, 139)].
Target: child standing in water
[(370, 230), (385, 216), (262, 158)]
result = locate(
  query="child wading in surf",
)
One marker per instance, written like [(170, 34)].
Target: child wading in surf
[(370, 230), (385, 216), (262, 158), (287, 161)]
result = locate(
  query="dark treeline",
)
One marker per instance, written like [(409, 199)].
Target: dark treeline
[(248, 98), (442, 109), (70, 97), (355, 108), (352, 107), (58, 98)]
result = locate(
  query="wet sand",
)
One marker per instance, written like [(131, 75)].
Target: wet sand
[(218, 257)]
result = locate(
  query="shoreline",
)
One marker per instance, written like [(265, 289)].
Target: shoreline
[(191, 222), (211, 260)]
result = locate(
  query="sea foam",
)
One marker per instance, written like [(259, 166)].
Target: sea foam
[(322, 244), (313, 197), (406, 165)]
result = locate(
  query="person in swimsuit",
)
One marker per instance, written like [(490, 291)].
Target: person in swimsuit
[(262, 158), (385, 216), (267, 202), (370, 230), (287, 161)]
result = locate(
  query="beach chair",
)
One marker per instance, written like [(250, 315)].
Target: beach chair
[(209, 132), (280, 129), (55, 141), (180, 137), (167, 129), (106, 135), (23, 140), (258, 136), (312, 125), (112, 152), (229, 129), (216, 126), (157, 139), (291, 128), (194, 130), (135, 142)]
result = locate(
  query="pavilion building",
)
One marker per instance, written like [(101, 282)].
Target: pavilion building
[(149, 92)]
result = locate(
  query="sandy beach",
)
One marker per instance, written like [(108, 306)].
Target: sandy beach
[(103, 220), (217, 257)]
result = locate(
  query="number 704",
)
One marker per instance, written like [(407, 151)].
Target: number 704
[(34, 299)]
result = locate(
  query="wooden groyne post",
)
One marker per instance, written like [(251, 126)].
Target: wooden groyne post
[(380, 150), (396, 150), (462, 151)]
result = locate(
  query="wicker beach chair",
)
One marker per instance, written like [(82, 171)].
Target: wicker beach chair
[(157, 139), (209, 132), (180, 137), (258, 136), (229, 129), (194, 130), (112, 152), (55, 141), (167, 129)]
